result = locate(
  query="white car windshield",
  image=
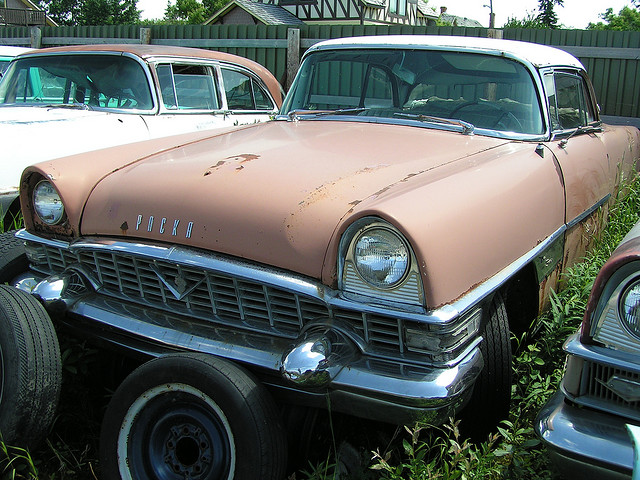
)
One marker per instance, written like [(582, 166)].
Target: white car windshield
[(479, 91), (96, 81)]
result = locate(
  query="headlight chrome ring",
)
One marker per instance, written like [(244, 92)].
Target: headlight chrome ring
[(381, 257), (47, 203)]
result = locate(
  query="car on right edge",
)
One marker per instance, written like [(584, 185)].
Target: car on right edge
[(584, 425)]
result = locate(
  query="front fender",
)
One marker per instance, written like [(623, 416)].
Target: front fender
[(469, 220)]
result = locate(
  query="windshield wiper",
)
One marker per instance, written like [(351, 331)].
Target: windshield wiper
[(75, 105), (294, 115), (467, 128), (593, 128)]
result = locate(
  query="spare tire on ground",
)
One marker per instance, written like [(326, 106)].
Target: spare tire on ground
[(30, 369), (192, 416), (13, 259)]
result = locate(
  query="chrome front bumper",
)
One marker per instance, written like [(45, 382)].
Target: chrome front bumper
[(583, 442), (322, 367)]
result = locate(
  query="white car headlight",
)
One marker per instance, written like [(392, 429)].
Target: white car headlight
[(381, 257), (47, 203), (630, 309)]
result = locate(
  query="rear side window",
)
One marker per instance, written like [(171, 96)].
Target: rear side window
[(243, 92), (187, 87)]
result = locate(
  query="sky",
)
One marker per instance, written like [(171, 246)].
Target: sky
[(574, 14)]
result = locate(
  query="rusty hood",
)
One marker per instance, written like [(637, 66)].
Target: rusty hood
[(274, 193)]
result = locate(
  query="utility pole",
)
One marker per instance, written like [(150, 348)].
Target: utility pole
[(492, 16)]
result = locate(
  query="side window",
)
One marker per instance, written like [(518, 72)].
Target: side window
[(244, 93), (187, 87), (568, 101)]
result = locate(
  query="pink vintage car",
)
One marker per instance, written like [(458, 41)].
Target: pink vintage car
[(369, 250)]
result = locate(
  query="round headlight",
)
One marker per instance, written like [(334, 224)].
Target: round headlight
[(381, 257), (47, 203), (630, 309)]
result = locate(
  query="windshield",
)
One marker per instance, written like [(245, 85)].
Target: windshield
[(488, 92), (101, 81)]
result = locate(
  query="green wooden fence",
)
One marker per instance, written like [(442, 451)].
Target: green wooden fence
[(611, 58)]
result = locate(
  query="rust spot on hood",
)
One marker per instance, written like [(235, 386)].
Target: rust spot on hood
[(240, 158), (213, 167), (244, 157)]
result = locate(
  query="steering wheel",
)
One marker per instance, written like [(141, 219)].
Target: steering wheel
[(503, 114)]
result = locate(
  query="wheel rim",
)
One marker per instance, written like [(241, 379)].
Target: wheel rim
[(175, 431)]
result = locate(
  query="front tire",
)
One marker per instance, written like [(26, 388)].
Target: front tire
[(491, 397), (192, 416)]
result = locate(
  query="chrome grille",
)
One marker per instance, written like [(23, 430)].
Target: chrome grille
[(596, 393), (214, 296)]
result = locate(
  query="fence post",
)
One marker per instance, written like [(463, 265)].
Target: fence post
[(145, 36), (36, 37), (293, 55)]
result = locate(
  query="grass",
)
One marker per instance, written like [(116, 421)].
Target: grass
[(417, 452)]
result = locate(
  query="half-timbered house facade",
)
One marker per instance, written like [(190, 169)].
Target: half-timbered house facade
[(356, 12)]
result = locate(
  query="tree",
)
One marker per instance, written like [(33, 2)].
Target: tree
[(529, 21), (547, 16), (627, 19), (192, 11), (92, 12)]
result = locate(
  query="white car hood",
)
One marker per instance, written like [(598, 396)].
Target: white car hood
[(33, 134)]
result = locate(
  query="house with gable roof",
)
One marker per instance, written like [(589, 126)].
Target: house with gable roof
[(23, 13)]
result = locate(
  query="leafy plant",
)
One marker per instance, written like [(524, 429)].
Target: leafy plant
[(16, 463)]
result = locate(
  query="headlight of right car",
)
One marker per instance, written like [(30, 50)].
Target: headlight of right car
[(630, 308), (377, 261), (616, 320), (47, 203)]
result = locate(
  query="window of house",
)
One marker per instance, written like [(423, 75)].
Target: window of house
[(398, 7)]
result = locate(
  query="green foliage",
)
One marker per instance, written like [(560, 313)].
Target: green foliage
[(547, 15), (16, 463), (192, 11), (627, 19), (14, 223), (529, 21), (92, 12), (545, 18)]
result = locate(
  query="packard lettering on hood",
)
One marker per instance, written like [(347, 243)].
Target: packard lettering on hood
[(163, 226), (412, 205)]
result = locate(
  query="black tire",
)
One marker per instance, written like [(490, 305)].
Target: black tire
[(13, 259), (491, 397), (30, 369), (192, 416)]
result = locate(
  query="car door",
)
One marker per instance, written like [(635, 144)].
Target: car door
[(588, 173)]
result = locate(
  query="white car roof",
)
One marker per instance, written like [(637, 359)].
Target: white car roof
[(533, 53), (8, 51)]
